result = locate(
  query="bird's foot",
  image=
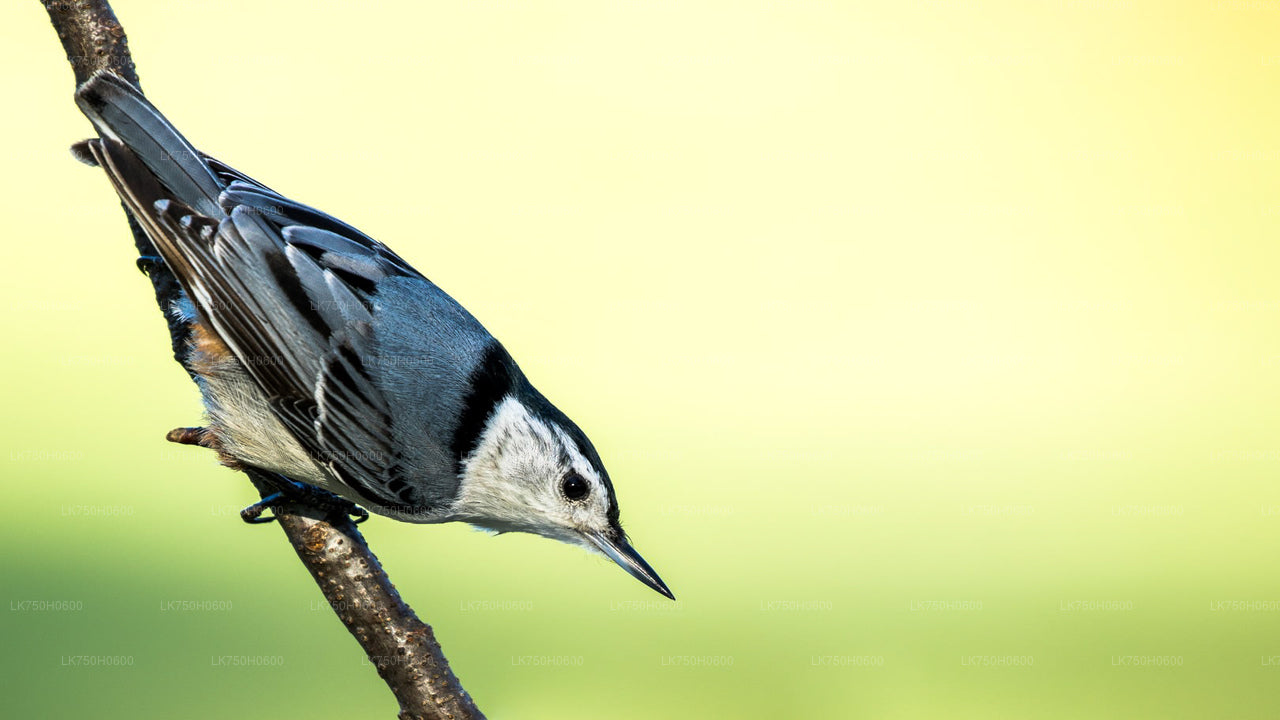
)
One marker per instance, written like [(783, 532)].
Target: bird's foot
[(286, 491), (253, 513), (147, 263), (292, 491)]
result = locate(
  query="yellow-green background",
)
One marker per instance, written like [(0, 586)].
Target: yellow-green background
[(866, 305)]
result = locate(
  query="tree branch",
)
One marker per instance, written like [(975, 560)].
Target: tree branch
[(400, 646)]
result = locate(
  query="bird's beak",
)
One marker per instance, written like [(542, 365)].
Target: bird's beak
[(620, 552)]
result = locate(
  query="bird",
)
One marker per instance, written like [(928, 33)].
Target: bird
[(324, 357)]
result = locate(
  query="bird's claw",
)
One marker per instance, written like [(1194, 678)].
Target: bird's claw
[(301, 493), (147, 263), (253, 513)]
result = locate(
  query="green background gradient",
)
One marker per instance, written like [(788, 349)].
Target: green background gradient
[(932, 347)]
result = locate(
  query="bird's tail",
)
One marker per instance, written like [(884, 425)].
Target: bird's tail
[(121, 114)]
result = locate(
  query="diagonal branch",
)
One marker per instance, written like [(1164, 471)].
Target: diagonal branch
[(400, 646)]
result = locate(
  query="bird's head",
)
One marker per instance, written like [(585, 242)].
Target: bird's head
[(532, 470)]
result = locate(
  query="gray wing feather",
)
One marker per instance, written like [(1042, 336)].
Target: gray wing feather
[(326, 241), (120, 113), (288, 288)]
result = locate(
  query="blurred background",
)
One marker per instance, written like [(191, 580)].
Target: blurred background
[(933, 347)]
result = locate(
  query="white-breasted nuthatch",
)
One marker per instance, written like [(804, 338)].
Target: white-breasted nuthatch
[(324, 357)]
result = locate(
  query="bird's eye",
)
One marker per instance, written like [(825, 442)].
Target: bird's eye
[(575, 486)]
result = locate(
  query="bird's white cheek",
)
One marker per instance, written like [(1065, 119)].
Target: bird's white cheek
[(589, 517)]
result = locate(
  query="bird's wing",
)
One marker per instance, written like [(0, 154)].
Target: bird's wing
[(287, 288)]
